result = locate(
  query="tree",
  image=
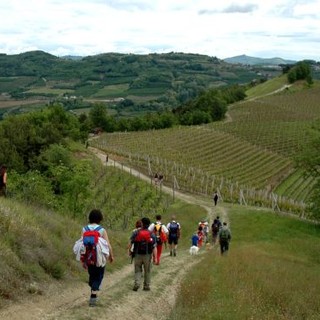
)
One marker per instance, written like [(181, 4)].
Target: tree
[(301, 71)]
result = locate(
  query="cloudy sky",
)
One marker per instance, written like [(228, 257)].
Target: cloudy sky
[(288, 29)]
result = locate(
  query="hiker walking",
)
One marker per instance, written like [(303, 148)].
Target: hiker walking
[(94, 257), (200, 236), (156, 178), (161, 233), (138, 226), (215, 227), (205, 230), (3, 180), (174, 229), (224, 238), (215, 198), (144, 249)]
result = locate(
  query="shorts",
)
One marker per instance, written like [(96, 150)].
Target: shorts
[(173, 240)]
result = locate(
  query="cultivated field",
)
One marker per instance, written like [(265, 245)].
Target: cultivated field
[(249, 158)]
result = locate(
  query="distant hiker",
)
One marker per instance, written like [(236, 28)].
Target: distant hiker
[(215, 198), (161, 233), (3, 180), (215, 227), (195, 239), (200, 236), (174, 229), (224, 238), (144, 249), (205, 230), (194, 244), (94, 249), (107, 158), (156, 179)]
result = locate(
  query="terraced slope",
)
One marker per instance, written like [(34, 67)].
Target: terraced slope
[(249, 157)]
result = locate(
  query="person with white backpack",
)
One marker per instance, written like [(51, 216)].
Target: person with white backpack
[(93, 249)]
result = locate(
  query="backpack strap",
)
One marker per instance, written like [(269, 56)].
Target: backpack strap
[(86, 228)]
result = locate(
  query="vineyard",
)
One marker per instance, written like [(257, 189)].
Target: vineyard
[(248, 159)]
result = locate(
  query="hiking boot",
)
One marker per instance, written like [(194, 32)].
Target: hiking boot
[(135, 287), (146, 288), (174, 253), (92, 302)]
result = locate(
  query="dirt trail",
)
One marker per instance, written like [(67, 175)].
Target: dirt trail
[(116, 299)]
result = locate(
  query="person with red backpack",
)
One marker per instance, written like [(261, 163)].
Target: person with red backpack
[(144, 251), (90, 258), (160, 231)]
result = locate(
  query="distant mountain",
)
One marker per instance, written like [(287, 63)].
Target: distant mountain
[(243, 59)]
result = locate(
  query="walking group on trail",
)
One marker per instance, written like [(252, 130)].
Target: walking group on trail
[(146, 246), (93, 249), (220, 232)]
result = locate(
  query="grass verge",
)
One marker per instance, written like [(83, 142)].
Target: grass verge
[(271, 272)]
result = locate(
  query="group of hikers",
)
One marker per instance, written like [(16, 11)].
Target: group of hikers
[(220, 232), (158, 179), (145, 247)]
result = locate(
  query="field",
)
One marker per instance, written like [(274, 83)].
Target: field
[(249, 157)]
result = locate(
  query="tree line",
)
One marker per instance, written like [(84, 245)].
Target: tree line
[(208, 106)]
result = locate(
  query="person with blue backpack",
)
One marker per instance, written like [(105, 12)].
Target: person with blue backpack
[(174, 229), (95, 239)]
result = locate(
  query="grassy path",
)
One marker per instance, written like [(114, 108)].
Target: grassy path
[(117, 300)]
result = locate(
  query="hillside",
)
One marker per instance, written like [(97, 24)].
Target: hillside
[(248, 156), (156, 81), (270, 272)]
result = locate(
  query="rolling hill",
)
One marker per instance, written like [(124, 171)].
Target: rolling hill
[(163, 80), (244, 59), (249, 157)]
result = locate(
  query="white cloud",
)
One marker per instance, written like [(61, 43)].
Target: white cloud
[(285, 28)]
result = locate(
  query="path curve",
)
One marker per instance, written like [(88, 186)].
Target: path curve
[(117, 300)]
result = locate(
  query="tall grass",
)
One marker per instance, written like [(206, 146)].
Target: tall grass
[(36, 244), (271, 272)]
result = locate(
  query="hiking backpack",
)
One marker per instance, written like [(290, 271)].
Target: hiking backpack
[(90, 240), (174, 231), (143, 242), (160, 235), (224, 235), (215, 228)]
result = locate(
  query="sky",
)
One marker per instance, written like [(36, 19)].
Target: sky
[(289, 29)]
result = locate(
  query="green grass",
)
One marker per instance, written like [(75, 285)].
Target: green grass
[(36, 244), (45, 90), (112, 91), (267, 87), (255, 150), (271, 272)]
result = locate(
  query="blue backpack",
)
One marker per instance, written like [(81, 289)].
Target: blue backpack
[(174, 231)]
